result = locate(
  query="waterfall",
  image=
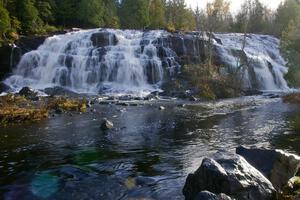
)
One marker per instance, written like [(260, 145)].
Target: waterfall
[(265, 68), (114, 61), (93, 61)]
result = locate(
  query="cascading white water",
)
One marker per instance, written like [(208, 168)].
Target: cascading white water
[(135, 62), (265, 68), (73, 61)]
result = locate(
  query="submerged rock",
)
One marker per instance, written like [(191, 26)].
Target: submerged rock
[(106, 125), (230, 174), (279, 167)]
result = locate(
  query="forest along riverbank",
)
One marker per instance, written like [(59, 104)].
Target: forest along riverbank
[(152, 147)]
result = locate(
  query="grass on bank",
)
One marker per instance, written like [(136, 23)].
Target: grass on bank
[(18, 109)]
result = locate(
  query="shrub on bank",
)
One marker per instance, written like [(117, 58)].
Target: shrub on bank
[(206, 82), (292, 98)]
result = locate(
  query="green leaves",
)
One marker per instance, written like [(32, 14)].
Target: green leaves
[(134, 14)]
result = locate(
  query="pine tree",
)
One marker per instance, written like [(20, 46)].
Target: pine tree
[(45, 9), (111, 18), (134, 13), (287, 11), (66, 12), (179, 16), (4, 22), (90, 13), (157, 14), (28, 16), (290, 47)]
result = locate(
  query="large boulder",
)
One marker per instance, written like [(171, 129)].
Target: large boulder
[(278, 166), (103, 38), (230, 174)]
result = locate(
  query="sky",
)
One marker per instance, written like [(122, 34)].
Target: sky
[(235, 4)]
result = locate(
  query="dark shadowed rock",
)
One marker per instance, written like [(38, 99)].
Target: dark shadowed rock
[(28, 93), (106, 125), (102, 39), (4, 87), (230, 174), (279, 167), (205, 195), (60, 91)]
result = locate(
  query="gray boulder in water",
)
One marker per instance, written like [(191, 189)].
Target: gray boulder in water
[(230, 174), (278, 166), (205, 195), (106, 125)]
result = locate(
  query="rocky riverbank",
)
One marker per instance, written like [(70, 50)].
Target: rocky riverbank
[(27, 105), (248, 174)]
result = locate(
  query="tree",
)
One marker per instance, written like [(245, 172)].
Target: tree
[(91, 13), (4, 21), (134, 13), (287, 11), (157, 14), (259, 18), (45, 9), (201, 19), (111, 18), (290, 47), (179, 16), (28, 16), (219, 16), (66, 12)]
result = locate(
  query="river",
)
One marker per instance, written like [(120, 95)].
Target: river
[(147, 155)]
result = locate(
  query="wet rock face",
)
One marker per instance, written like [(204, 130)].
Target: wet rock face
[(230, 174), (4, 87), (187, 48), (102, 39), (205, 195), (279, 167)]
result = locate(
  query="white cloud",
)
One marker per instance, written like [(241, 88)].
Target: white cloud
[(235, 4)]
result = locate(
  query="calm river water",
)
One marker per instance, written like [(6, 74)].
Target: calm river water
[(147, 155)]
